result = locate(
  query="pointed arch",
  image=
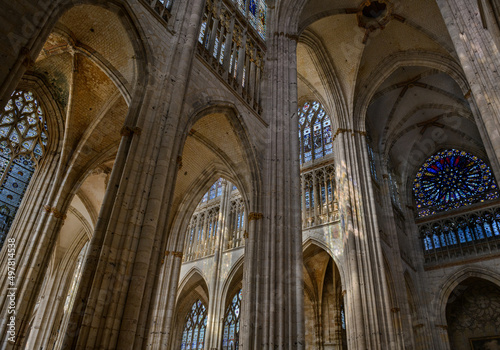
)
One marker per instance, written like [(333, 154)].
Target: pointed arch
[(369, 86), (449, 285)]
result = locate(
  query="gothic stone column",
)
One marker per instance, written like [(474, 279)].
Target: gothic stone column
[(367, 308), (273, 310)]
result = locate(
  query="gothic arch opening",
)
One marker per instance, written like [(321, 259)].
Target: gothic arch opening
[(325, 317), (87, 76), (191, 312), (473, 315)]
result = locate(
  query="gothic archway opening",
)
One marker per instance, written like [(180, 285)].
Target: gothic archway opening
[(231, 322), (75, 68), (191, 315), (473, 315), (325, 318)]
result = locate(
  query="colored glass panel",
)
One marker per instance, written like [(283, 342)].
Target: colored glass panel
[(195, 324), (451, 179), (23, 139), (230, 335), (315, 132)]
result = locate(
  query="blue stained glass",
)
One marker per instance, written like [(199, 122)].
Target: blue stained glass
[(252, 6), (230, 336), (28, 144), (468, 234), (435, 239), (427, 243), (496, 228), (31, 121), (195, 324), (451, 179), (4, 131), (14, 137), (27, 109), (315, 133), (18, 153), (342, 317), (31, 132), (28, 96)]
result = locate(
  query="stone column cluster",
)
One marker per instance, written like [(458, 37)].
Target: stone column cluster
[(369, 324)]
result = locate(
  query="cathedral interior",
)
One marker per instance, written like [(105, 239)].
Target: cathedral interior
[(250, 174)]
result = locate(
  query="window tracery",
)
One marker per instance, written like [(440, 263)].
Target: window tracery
[(203, 228), (315, 132), (230, 337), (451, 179), (231, 41), (193, 334), (23, 141), (319, 205)]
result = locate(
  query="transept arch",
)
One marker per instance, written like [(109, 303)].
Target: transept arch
[(451, 282), (367, 88)]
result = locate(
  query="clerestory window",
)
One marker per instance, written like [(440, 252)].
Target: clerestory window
[(315, 132)]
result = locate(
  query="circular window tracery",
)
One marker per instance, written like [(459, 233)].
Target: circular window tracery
[(451, 179), (22, 127)]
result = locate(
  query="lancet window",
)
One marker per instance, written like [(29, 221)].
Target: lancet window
[(230, 336), (23, 141), (451, 179), (315, 132), (193, 334)]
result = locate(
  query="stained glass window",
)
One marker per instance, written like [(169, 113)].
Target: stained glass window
[(451, 179), (257, 11), (214, 191), (23, 139), (230, 336), (193, 335), (315, 132)]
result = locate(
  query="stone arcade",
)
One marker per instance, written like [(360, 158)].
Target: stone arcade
[(250, 174)]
